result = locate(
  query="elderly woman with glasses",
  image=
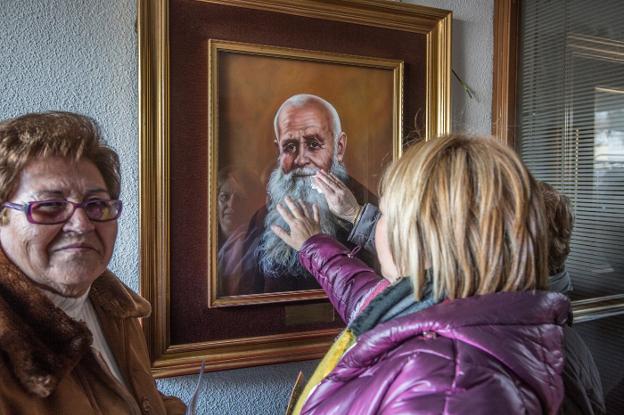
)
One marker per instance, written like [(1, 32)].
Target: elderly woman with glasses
[(70, 338)]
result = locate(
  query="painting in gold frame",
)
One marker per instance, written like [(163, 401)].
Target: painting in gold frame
[(247, 83), (174, 133)]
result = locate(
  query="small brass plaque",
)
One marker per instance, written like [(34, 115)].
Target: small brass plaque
[(295, 315)]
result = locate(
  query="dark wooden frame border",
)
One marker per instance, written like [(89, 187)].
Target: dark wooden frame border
[(505, 65), (154, 181)]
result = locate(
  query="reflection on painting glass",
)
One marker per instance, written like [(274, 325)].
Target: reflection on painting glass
[(238, 195)]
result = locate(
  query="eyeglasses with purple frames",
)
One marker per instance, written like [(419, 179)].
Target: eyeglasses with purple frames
[(52, 212)]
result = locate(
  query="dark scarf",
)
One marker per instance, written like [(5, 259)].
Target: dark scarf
[(395, 301)]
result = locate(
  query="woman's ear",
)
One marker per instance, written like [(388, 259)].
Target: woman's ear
[(4, 217)]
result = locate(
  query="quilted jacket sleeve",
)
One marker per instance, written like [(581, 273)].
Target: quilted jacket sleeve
[(345, 279)]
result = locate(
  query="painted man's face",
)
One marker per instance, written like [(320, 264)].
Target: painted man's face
[(305, 142)]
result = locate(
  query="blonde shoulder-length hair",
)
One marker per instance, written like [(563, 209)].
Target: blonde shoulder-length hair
[(468, 208)]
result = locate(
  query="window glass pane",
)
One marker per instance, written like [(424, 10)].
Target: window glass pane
[(571, 126)]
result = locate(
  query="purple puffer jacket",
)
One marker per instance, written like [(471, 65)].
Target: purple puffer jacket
[(493, 354)]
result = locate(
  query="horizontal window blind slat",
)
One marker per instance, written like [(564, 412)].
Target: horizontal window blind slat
[(597, 268), (613, 242), (599, 227), (591, 260)]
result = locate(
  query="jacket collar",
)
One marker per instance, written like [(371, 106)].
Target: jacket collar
[(519, 329), (492, 312), (114, 297), (395, 301), (42, 343)]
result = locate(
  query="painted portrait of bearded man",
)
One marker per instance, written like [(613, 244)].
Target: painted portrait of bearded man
[(308, 138)]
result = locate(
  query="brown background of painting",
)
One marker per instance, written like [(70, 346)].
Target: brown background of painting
[(192, 23), (251, 88)]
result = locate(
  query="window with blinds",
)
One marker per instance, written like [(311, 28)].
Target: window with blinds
[(570, 133), (571, 126)]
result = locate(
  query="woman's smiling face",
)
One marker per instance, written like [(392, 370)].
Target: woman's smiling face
[(65, 258)]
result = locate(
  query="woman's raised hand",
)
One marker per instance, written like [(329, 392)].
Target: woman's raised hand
[(302, 219)]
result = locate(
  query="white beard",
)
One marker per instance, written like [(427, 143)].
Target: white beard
[(276, 258)]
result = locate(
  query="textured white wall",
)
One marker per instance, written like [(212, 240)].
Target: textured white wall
[(81, 56), (473, 46)]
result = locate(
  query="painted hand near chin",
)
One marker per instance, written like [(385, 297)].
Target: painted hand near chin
[(340, 199), (302, 219)]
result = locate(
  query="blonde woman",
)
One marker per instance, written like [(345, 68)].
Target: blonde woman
[(463, 327)]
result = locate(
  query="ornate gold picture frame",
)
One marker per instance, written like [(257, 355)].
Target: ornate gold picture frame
[(180, 155)]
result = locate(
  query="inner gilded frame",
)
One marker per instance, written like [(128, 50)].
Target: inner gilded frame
[(247, 83)]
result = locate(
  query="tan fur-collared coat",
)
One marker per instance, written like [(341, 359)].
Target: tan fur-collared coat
[(46, 363)]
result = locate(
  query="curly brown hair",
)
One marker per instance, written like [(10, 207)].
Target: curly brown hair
[(560, 222), (53, 134)]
